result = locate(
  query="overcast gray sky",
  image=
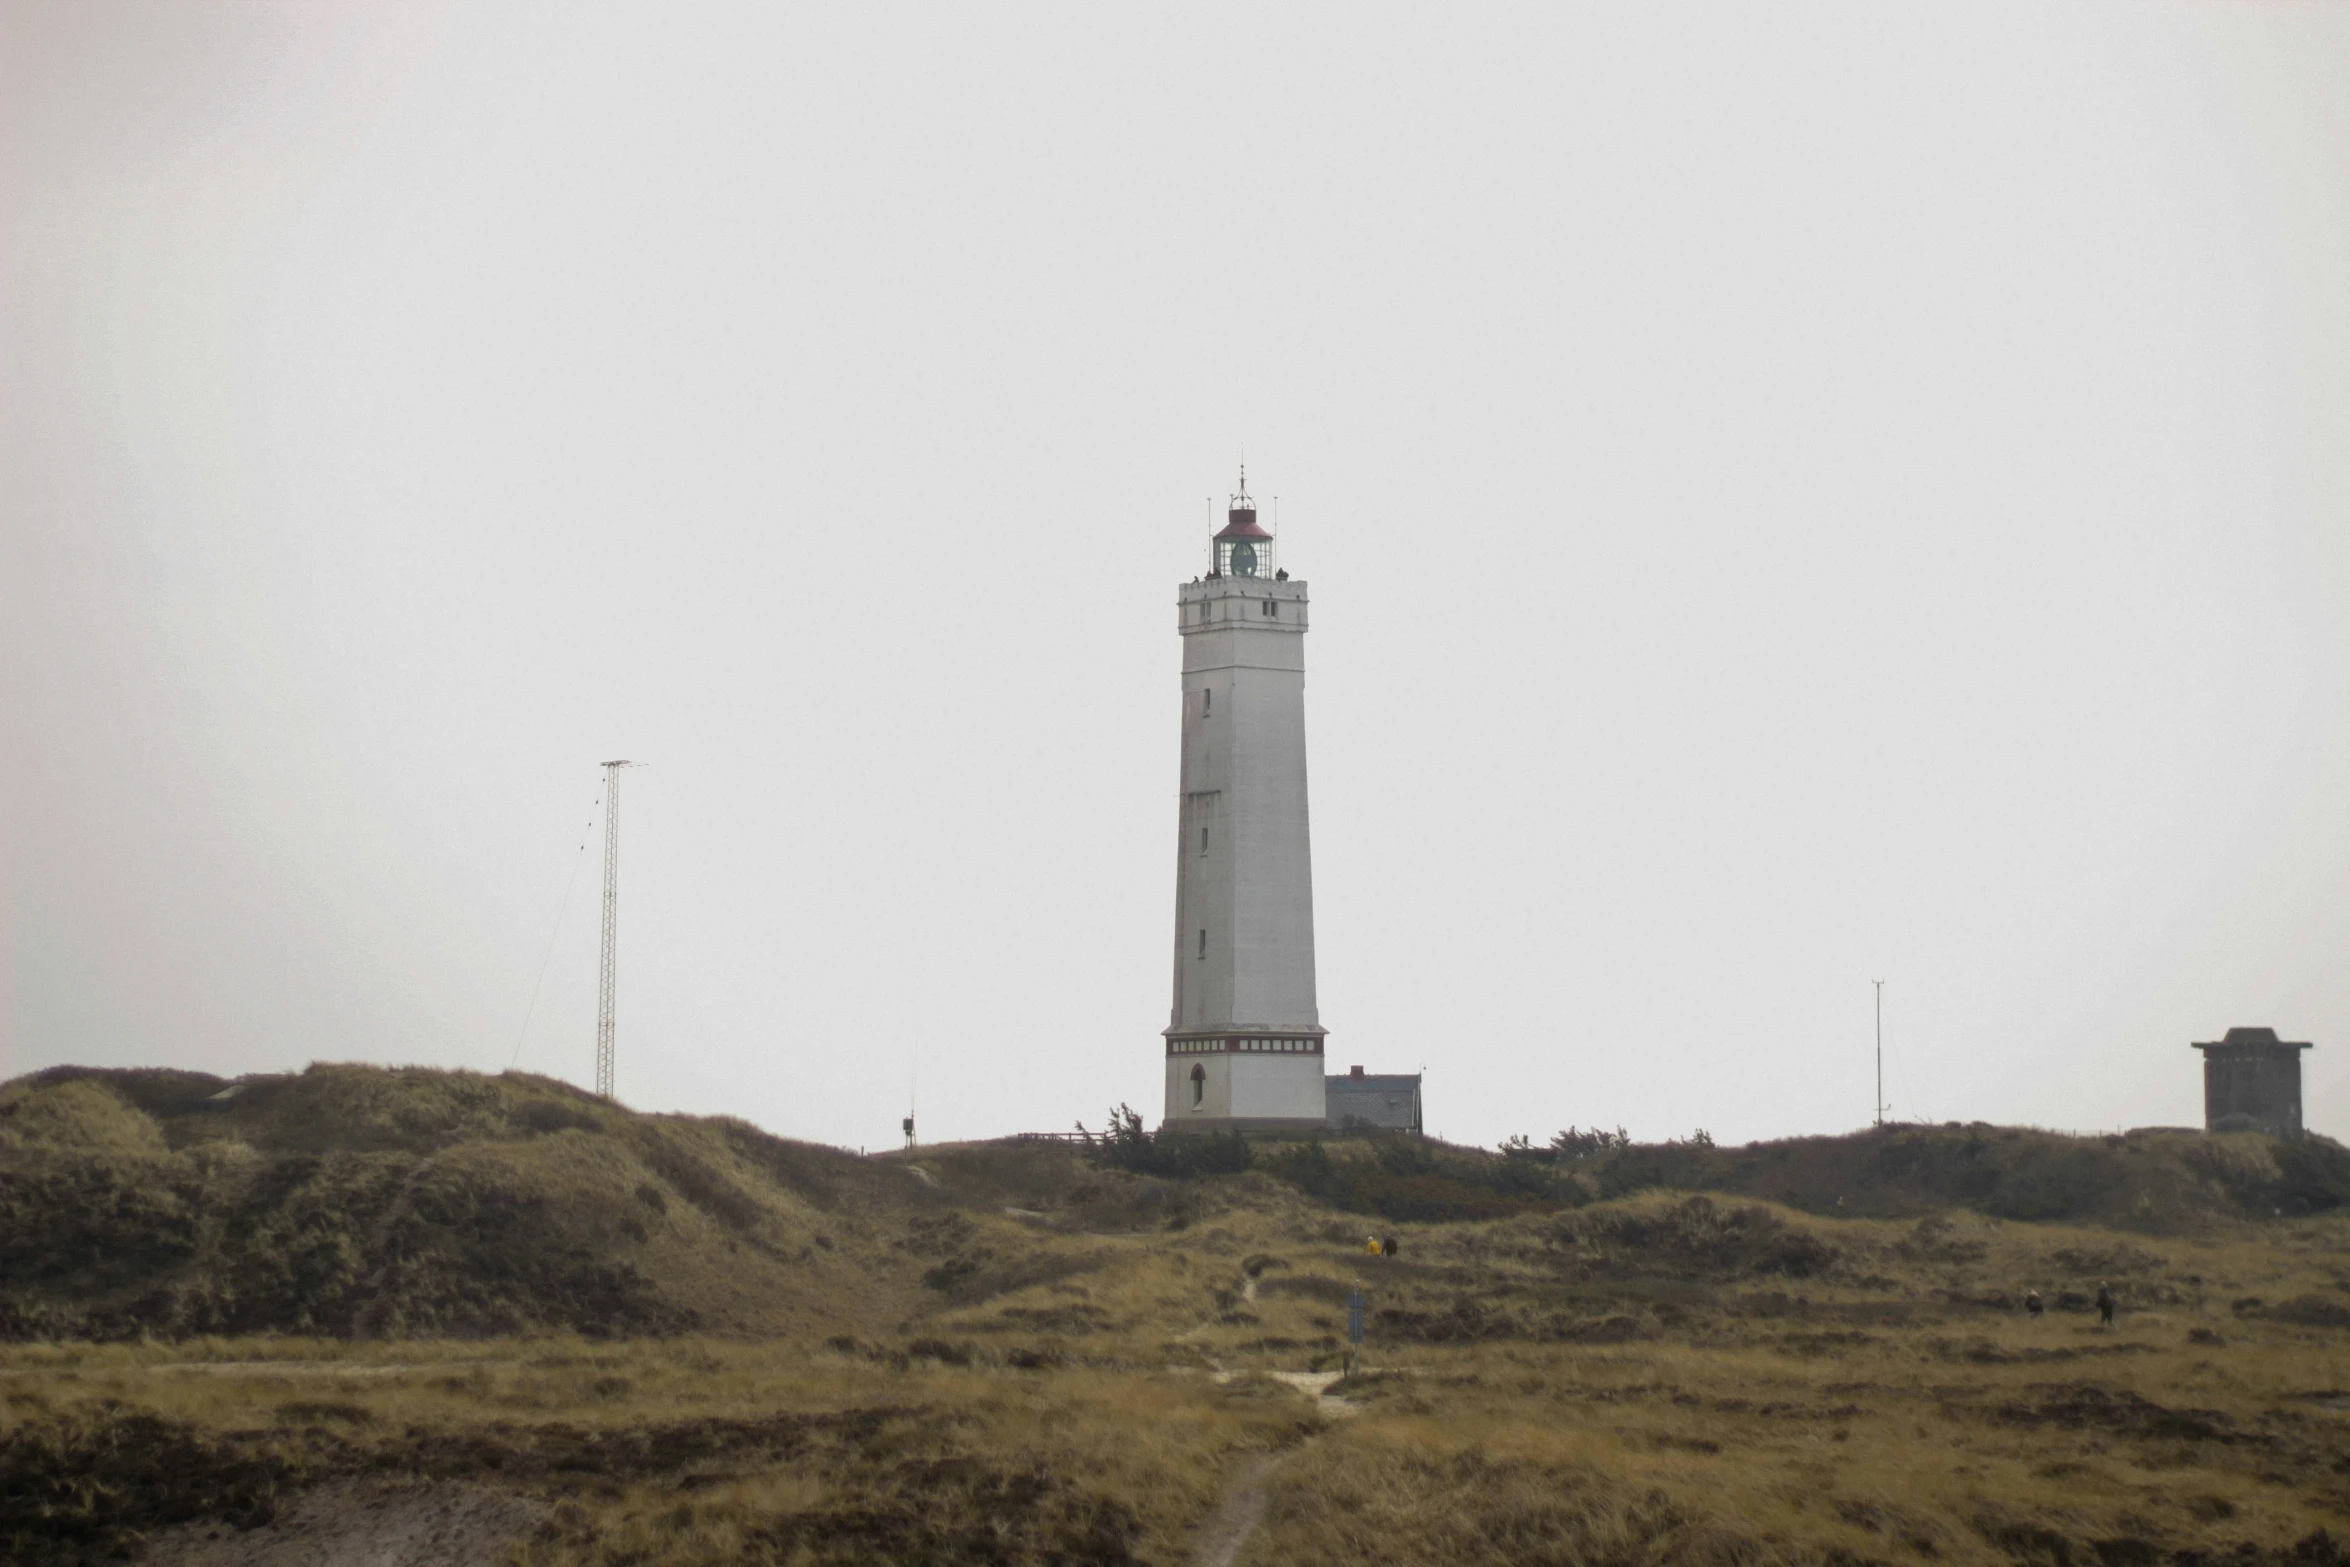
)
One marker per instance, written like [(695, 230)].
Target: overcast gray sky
[(1792, 495)]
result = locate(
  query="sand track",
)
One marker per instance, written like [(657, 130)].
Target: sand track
[(1242, 1510)]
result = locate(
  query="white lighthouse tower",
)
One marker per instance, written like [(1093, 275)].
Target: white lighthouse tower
[(1244, 1042)]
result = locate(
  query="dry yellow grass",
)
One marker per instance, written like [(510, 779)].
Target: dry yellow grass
[(698, 1451), (1009, 1355), (1613, 1384)]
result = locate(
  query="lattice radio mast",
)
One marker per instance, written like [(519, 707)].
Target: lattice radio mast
[(606, 1022)]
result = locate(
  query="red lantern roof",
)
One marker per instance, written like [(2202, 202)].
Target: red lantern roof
[(1241, 521)]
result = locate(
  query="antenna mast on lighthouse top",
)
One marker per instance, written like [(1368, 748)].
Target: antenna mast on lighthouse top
[(606, 1019)]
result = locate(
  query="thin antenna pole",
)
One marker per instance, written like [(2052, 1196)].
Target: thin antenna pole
[(1880, 984), (607, 1020), (913, 1082)]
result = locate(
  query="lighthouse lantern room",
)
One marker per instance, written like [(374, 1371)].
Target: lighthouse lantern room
[(1244, 548)]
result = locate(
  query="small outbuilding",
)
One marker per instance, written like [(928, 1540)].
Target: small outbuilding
[(2252, 1083), (1361, 1102)]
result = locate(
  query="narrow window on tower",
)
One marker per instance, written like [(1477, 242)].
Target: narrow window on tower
[(1203, 943), (1203, 840), (1207, 703), (1199, 1085)]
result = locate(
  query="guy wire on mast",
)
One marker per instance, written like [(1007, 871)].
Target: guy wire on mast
[(606, 1020), (561, 909)]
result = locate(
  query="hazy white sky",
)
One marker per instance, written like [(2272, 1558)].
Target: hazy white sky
[(1792, 495)]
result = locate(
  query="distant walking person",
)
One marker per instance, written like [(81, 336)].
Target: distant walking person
[(1371, 1245), (1387, 1245), (2032, 1306), (2104, 1306)]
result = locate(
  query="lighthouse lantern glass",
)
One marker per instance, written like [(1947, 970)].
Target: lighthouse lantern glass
[(1244, 557)]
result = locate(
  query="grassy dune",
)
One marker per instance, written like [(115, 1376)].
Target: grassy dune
[(364, 1202), (1013, 1355)]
